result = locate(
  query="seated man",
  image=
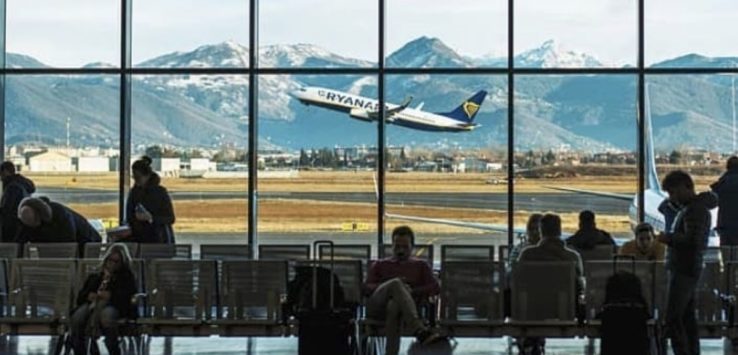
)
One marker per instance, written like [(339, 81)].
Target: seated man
[(44, 221), (588, 236), (395, 285), (644, 246)]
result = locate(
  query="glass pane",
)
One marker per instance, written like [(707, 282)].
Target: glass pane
[(317, 152), (447, 158), (693, 118), (684, 33), (437, 33), (576, 33), (190, 33), (62, 133), (577, 132), (195, 127), (318, 33), (70, 33)]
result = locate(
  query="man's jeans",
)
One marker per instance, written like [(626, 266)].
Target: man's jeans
[(393, 303), (681, 320)]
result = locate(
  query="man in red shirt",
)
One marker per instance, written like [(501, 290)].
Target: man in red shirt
[(395, 285)]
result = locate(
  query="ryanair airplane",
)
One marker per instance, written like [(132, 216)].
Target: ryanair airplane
[(365, 109)]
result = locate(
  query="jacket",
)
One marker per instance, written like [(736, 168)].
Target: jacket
[(727, 220), (15, 188), (122, 287), (687, 240), (59, 224), (588, 238), (657, 251), (156, 200), (553, 249)]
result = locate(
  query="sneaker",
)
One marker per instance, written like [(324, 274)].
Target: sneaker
[(427, 336)]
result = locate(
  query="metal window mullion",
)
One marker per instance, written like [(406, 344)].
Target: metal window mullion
[(510, 123), (641, 113), (3, 36), (381, 128), (124, 157), (252, 218)]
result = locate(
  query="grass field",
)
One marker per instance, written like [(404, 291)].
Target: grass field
[(229, 215)]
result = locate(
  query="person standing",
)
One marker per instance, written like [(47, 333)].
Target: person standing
[(727, 190), (16, 187), (686, 240), (149, 210)]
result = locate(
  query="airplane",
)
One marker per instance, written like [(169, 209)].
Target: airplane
[(653, 196), (366, 109)]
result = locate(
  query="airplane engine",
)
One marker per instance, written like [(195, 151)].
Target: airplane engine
[(360, 114)]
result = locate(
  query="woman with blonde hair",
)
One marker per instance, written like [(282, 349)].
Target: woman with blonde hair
[(104, 299)]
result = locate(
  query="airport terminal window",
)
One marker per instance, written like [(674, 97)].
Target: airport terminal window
[(571, 34), (317, 164), (447, 157), (453, 34), (684, 33), (576, 132), (211, 36), (195, 128), (70, 33), (61, 131), (318, 33)]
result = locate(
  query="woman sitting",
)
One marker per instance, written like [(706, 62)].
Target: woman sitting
[(104, 299)]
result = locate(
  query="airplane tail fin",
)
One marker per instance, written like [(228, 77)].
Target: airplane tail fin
[(652, 176), (468, 109)]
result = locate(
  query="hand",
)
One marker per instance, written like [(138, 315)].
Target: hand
[(663, 238), (103, 296), (144, 216)]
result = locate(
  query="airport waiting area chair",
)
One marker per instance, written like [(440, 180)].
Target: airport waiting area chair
[(424, 252), (467, 253), (97, 250), (472, 297), (599, 252), (9, 251), (290, 252), (225, 252), (148, 251), (51, 250)]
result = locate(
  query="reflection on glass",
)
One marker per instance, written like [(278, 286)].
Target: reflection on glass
[(444, 183), (576, 132), (62, 132), (195, 128)]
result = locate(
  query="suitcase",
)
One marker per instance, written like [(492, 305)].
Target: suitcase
[(324, 330), (625, 315)]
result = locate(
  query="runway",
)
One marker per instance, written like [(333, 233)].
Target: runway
[(553, 201)]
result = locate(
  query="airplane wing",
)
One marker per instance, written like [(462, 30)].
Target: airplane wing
[(613, 195), (391, 112), (449, 222)]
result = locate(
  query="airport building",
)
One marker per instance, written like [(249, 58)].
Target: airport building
[(273, 125)]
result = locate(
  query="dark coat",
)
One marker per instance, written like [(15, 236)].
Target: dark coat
[(156, 200), (587, 239), (15, 188), (62, 226), (122, 287), (727, 190), (688, 239)]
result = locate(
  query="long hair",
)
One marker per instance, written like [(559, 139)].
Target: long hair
[(122, 250)]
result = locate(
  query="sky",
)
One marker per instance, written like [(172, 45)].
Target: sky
[(75, 32)]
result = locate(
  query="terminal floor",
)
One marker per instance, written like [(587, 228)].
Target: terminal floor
[(288, 346)]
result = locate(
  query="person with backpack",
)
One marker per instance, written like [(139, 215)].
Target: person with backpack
[(686, 238), (395, 286), (16, 187)]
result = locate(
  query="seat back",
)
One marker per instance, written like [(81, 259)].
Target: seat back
[(9, 251), (711, 285), (467, 253), (349, 274), (362, 252), (225, 252), (422, 252), (148, 251), (4, 286), (41, 288), (51, 250), (252, 289), (543, 291), (97, 250), (471, 290), (596, 274), (599, 252), (182, 289), (295, 252)]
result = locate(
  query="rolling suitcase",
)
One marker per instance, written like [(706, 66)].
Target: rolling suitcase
[(325, 325)]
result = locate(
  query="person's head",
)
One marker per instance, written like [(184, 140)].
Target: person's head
[(533, 228), (644, 236), (587, 220), (7, 168), (116, 258), (550, 226), (33, 211), (732, 164), (142, 171), (680, 187), (403, 240)]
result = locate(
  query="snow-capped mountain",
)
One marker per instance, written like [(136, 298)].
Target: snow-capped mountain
[(426, 52), (553, 55)]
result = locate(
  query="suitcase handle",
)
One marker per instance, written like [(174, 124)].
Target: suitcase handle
[(316, 261)]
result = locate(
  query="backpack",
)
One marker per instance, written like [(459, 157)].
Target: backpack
[(300, 290)]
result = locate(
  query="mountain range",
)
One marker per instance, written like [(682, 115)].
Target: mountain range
[(580, 112)]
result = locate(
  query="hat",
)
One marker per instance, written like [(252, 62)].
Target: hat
[(39, 206)]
